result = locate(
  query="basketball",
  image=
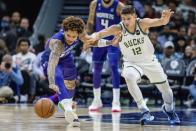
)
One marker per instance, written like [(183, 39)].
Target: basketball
[(44, 108)]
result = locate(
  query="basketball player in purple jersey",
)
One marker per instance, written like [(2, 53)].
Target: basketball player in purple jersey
[(102, 14), (58, 63)]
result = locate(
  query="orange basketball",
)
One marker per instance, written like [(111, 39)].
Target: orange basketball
[(44, 108)]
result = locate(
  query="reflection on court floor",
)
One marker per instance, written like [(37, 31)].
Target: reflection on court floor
[(187, 117)]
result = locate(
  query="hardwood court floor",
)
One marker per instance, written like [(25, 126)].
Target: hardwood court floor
[(22, 118)]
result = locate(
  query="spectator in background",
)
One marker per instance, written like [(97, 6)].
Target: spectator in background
[(172, 4), (168, 53), (8, 74), (153, 37), (159, 5), (185, 6), (3, 48), (23, 30), (192, 29), (15, 19), (183, 32), (138, 6), (25, 59), (149, 11), (7, 34), (3, 8), (193, 52), (40, 46), (170, 31), (5, 23), (180, 47), (187, 55), (191, 18)]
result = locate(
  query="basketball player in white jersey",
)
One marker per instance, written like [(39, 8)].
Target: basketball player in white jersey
[(139, 58)]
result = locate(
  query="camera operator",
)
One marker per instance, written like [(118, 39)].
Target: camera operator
[(7, 75)]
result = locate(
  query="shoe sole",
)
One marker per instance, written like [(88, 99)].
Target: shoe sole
[(115, 110), (70, 117), (95, 109)]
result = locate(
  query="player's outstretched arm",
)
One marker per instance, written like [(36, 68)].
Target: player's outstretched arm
[(165, 17), (110, 31), (56, 47)]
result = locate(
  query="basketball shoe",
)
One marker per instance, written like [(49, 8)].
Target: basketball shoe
[(146, 117), (96, 105), (116, 107), (172, 116), (70, 116)]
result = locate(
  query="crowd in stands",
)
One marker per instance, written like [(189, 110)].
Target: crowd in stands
[(21, 75)]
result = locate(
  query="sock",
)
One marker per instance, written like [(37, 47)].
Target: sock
[(116, 95), (169, 107), (67, 104), (142, 106), (97, 93)]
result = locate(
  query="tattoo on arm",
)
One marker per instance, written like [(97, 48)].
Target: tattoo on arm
[(56, 47)]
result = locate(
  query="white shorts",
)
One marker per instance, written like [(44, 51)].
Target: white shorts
[(153, 70)]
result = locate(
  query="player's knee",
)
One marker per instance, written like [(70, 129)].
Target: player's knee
[(128, 75)]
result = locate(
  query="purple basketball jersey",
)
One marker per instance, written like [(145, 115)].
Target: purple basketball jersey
[(106, 17)]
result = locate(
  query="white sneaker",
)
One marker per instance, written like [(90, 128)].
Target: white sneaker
[(96, 105), (116, 107), (72, 118)]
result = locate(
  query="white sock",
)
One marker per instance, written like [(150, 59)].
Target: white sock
[(169, 107), (142, 106), (116, 95), (67, 104), (97, 93)]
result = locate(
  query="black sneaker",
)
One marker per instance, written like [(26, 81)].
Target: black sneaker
[(172, 116), (146, 117)]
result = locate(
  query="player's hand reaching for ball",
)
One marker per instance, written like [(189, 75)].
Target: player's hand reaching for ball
[(54, 88)]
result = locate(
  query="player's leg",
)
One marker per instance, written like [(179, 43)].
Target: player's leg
[(157, 76), (99, 56), (168, 106), (65, 96), (132, 75), (114, 57)]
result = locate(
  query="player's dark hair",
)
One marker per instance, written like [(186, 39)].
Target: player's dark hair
[(74, 24), (128, 9)]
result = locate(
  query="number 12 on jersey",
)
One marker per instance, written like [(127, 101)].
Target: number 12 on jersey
[(105, 23), (137, 51)]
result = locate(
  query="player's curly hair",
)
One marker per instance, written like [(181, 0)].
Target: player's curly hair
[(74, 24)]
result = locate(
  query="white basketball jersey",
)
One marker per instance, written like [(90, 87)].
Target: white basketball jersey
[(136, 47)]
